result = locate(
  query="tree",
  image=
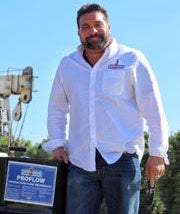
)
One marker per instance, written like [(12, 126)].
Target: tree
[(167, 191), (170, 184), (4, 144), (150, 201)]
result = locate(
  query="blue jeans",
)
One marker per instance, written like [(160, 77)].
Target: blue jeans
[(118, 183)]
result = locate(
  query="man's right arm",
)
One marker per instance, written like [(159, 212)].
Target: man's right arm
[(58, 109)]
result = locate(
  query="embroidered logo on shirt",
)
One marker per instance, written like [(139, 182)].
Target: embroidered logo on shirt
[(116, 65)]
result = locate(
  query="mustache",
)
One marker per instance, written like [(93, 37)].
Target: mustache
[(93, 36)]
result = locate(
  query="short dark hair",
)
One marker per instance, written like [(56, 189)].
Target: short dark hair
[(88, 8)]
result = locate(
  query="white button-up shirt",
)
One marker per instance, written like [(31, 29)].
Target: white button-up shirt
[(107, 104)]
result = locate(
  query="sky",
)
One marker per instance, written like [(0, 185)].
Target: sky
[(39, 33)]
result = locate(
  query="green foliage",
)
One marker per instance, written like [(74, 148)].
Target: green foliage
[(167, 191), (3, 141), (149, 204), (36, 151), (32, 150), (170, 184), (3, 144)]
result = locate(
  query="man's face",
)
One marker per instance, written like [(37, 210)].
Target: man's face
[(93, 31)]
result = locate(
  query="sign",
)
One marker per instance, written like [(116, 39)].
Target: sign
[(30, 183)]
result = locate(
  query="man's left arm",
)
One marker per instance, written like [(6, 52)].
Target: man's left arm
[(150, 104)]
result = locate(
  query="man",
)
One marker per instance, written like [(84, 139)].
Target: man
[(108, 89)]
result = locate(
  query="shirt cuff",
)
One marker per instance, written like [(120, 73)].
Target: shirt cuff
[(166, 160), (164, 156), (51, 145)]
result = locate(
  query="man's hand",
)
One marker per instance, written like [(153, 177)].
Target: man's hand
[(155, 168), (60, 154)]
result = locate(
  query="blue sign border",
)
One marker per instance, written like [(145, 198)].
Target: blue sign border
[(30, 183)]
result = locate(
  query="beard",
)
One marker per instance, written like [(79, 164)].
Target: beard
[(95, 42)]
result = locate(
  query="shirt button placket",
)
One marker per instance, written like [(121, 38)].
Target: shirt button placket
[(92, 122)]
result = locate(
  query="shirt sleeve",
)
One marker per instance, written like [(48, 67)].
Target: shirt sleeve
[(150, 105), (58, 109)]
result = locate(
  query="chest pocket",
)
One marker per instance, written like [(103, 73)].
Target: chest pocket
[(113, 82)]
